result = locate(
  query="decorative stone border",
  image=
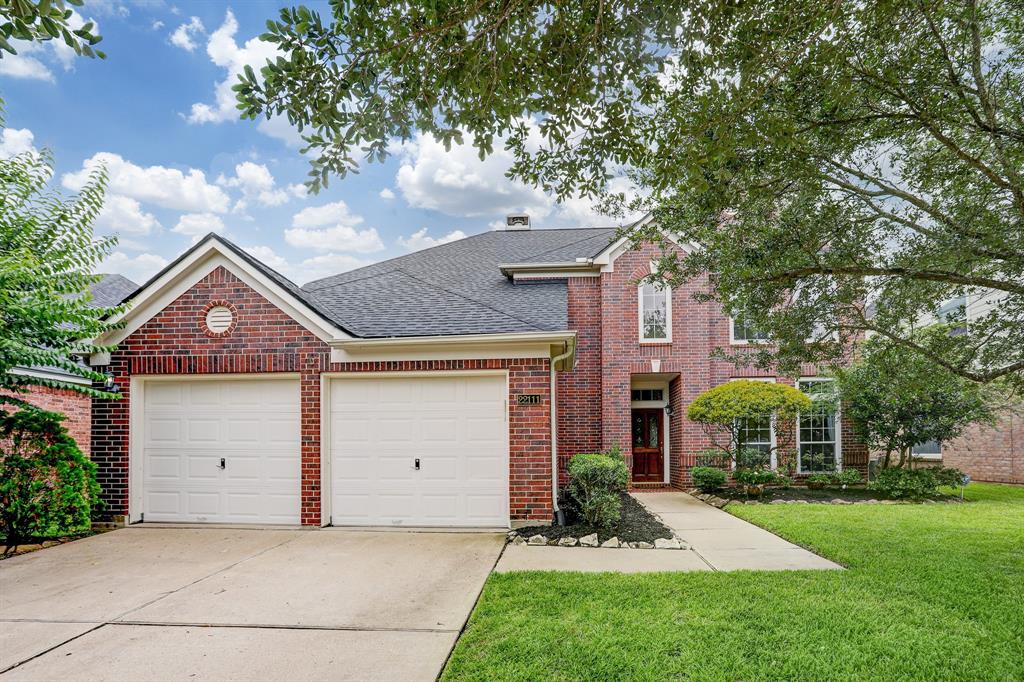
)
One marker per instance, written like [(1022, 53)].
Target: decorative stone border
[(591, 541)]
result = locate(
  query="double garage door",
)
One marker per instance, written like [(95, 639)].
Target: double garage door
[(403, 451)]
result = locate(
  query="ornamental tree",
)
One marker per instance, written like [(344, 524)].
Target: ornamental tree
[(897, 399), (822, 155), (48, 254), (728, 411)]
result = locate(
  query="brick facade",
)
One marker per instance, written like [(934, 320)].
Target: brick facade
[(990, 453), (594, 400), (76, 408), (266, 340)]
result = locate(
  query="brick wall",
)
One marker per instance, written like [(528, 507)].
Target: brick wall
[(76, 408), (990, 453), (266, 340), (595, 397)]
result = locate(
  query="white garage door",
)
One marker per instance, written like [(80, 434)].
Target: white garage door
[(429, 451), (222, 451)]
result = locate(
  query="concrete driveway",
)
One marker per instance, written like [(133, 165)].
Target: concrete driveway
[(150, 603)]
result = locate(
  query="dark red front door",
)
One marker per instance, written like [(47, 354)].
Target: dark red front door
[(648, 459)]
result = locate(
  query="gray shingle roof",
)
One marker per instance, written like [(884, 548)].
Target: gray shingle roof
[(111, 290), (457, 288)]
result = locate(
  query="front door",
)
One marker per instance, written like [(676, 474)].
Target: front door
[(648, 458)]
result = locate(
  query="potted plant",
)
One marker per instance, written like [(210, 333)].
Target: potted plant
[(754, 480)]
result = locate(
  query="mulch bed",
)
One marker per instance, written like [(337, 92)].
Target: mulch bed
[(636, 524)]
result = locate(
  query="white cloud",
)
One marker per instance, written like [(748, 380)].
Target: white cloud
[(326, 265), (184, 34), (257, 184), (279, 128), (420, 240), (337, 238), (386, 193), (225, 52), (166, 187), (268, 256), (331, 227), (157, 25), (14, 141), (298, 190), (125, 215), (458, 183), (136, 268), (197, 225)]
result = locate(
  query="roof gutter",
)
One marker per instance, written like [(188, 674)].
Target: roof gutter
[(566, 356), (579, 265)]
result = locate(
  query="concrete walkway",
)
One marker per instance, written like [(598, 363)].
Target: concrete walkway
[(232, 604), (718, 541), (725, 542)]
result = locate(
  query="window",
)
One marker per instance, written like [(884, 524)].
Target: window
[(931, 449), (817, 438), (655, 312), (755, 434), (744, 332), (647, 394)]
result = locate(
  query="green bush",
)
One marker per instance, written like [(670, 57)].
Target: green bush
[(818, 479), (707, 479), (713, 457), (756, 477), (596, 483), (914, 484), (948, 476), (846, 478), (47, 486)]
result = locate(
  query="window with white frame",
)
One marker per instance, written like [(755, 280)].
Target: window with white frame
[(655, 312), (743, 331), (818, 447), (755, 433), (930, 449)]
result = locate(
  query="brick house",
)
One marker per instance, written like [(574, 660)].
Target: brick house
[(447, 387)]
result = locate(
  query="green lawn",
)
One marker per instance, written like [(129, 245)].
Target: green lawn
[(932, 592)]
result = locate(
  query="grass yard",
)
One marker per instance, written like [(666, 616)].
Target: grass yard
[(932, 592)]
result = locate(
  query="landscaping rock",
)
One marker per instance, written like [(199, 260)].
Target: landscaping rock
[(840, 501), (537, 540), (518, 540), (717, 502), (667, 543), (612, 543), (641, 545), (777, 502), (512, 535), (567, 542), (589, 540)]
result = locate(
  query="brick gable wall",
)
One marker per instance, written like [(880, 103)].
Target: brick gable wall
[(990, 453), (266, 340)]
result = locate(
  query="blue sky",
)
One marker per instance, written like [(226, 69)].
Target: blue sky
[(181, 164)]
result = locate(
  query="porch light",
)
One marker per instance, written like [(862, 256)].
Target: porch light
[(668, 410), (109, 384)]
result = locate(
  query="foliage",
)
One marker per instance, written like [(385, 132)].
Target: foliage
[(708, 479), (713, 457), (42, 20), (860, 151), (819, 479), (897, 398), (845, 478), (596, 481), (722, 411), (48, 254), (757, 476), (47, 486), (914, 483)]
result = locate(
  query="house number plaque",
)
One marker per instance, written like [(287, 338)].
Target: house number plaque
[(528, 399)]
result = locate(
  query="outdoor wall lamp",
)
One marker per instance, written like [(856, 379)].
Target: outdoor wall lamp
[(109, 384)]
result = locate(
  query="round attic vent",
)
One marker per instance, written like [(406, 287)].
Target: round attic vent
[(219, 319)]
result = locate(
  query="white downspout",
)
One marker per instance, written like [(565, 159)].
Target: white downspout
[(554, 428)]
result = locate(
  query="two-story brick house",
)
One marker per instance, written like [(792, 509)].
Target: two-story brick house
[(446, 387)]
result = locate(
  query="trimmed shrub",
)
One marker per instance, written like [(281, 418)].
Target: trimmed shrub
[(914, 483), (846, 478), (755, 477), (47, 486), (596, 483), (708, 479)]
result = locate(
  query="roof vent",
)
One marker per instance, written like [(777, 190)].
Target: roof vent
[(517, 221)]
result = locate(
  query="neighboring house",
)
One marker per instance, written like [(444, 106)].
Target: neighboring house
[(987, 453), (447, 387), (77, 408)]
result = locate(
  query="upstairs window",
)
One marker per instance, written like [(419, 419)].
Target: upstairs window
[(655, 313), (744, 332)]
